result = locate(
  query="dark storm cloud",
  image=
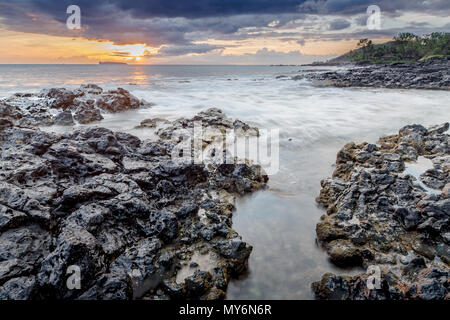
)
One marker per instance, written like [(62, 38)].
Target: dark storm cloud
[(144, 9), (179, 23), (350, 7), (205, 8), (194, 9), (339, 24), (103, 20)]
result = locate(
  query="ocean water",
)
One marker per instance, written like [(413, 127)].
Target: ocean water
[(314, 123)]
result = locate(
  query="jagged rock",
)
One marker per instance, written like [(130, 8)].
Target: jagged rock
[(213, 119), (10, 112), (344, 253), (59, 98), (331, 287), (118, 100), (236, 252), (378, 215), (397, 75), (151, 123), (121, 209), (10, 218), (87, 104), (91, 88), (327, 232), (22, 288), (5, 123), (197, 284), (74, 246), (21, 251), (63, 118), (85, 112)]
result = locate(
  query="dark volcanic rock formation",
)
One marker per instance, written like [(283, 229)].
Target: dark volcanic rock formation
[(430, 74), (137, 223), (61, 106), (384, 214)]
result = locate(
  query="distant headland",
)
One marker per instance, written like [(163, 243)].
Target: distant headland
[(111, 62), (406, 47)]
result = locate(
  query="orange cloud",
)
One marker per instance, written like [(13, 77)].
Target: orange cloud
[(19, 47)]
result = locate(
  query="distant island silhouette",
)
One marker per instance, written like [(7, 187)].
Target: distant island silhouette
[(111, 62)]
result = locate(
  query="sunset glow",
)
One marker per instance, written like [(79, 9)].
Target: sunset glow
[(33, 33), (130, 52)]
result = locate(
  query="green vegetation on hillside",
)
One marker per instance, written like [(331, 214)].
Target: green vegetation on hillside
[(405, 47)]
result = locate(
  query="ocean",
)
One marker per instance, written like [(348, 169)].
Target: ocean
[(313, 122)]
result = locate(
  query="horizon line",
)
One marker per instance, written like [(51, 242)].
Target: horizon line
[(122, 65)]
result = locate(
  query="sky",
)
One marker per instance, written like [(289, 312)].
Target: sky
[(205, 31)]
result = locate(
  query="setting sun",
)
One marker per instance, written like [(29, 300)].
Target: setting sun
[(129, 52)]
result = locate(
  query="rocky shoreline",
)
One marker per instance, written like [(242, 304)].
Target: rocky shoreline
[(388, 211), (60, 106), (431, 74), (138, 223)]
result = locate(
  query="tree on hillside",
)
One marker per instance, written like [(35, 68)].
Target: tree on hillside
[(437, 43), (405, 47), (405, 37), (367, 48), (408, 46)]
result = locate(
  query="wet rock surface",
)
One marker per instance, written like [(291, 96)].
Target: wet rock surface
[(389, 213), (138, 223), (430, 74), (60, 106)]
